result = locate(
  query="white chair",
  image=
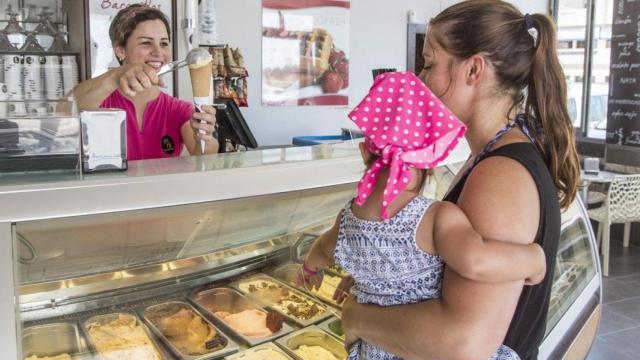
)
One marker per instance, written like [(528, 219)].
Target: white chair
[(622, 206)]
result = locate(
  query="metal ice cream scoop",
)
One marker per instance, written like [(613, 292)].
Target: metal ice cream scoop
[(196, 55)]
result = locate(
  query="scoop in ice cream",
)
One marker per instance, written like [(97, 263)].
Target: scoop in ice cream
[(314, 352), (283, 300), (327, 288), (185, 330), (57, 357), (122, 339), (252, 323)]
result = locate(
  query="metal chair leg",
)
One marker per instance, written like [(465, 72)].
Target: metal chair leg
[(627, 232), (605, 247), (599, 236)]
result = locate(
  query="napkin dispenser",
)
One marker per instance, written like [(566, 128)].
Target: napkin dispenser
[(104, 140)]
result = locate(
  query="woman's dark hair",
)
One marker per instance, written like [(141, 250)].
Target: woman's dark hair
[(525, 68), (127, 19)]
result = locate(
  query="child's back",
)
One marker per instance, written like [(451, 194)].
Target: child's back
[(383, 257)]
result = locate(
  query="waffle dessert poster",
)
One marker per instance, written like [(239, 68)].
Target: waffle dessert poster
[(305, 52)]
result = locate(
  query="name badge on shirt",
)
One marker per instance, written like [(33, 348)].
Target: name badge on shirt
[(168, 147)]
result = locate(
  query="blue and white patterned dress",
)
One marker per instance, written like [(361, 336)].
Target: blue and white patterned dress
[(389, 268)]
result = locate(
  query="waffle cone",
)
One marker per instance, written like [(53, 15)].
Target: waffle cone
[(201, 79)]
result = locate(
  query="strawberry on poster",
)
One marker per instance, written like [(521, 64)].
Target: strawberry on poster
[(305, 52)]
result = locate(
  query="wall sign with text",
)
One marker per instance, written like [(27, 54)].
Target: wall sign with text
[(623, 111)]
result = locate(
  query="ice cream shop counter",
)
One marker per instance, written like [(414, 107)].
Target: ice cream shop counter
[(193, 258)]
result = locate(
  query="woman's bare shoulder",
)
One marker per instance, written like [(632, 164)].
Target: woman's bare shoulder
[(501, 199)]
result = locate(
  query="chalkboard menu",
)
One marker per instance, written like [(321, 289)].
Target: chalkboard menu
[(623, 112)]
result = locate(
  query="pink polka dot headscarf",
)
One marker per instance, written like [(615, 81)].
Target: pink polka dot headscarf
[(406, 125)]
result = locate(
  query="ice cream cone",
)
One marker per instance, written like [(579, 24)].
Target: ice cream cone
[(201, 77)]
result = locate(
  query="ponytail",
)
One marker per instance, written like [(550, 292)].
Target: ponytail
[(546, 109)]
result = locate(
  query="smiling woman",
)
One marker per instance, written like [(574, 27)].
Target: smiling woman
[(158, 125)]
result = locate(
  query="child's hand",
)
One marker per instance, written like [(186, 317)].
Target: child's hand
[(542, 265), (308, 278), (342, 291)]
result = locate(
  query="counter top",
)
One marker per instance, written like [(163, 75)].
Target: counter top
[(184, 180)]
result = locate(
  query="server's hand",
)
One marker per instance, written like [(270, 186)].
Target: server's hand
[(204, 124), (134, 78)]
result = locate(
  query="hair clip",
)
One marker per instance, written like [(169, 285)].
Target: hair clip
[(133, 14), (531, 28)]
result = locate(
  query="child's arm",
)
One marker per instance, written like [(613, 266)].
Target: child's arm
[(320, 256), (483, 260)]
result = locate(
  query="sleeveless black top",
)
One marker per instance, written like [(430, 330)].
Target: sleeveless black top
[(527, 327)]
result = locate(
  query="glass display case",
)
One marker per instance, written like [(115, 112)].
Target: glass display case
[(123, 264)]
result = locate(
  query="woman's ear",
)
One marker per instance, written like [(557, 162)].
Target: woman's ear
[(120, 53), (475, 69)]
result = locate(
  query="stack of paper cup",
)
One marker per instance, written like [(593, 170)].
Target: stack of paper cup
[(69, 72), (53, 77), (32, 72), (12, 71)]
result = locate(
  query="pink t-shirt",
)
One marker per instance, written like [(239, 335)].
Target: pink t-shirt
[(160, 134)]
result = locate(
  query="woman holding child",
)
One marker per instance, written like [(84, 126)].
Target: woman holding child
[(481, 58)]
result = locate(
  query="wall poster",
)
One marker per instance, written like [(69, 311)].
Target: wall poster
[(305, 52), (100, 53)]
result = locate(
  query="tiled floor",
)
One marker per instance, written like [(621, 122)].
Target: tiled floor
[(619, 332)]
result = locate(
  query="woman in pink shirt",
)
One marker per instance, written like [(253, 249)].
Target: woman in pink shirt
[(158, 125)]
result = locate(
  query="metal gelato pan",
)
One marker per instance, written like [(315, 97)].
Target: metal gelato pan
[(310, 338), (333, 326), (288, 273), (231, 301), (188, 334), (120, 335), (291, 303), (51, 340), (268, 351)]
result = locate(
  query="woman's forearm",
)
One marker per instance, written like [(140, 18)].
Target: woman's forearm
[(404, 330), (91, 93)]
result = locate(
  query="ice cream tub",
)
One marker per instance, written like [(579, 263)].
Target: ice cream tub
[(333, 326), (312, 343), (188, 334), (276, 295), (238, 315), (336, 269), (56, 340), (288, 273), (268, 351), (120, 335)]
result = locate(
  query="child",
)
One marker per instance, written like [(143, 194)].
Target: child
[(393, 241)]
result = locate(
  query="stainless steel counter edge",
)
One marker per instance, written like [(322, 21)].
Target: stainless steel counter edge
[(84, 197), (110, 194)]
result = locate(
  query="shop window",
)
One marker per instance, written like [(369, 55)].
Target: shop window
[(571, 18), (573, 22)]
